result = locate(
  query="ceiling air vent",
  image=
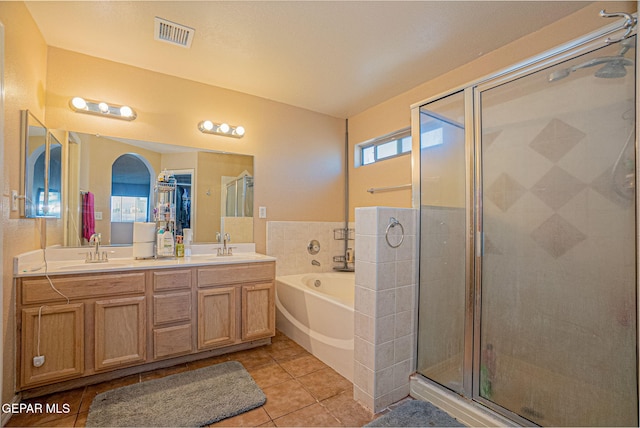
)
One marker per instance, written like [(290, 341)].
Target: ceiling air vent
[(173, 33)]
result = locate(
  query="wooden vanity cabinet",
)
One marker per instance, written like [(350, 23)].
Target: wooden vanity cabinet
[(172, 313), (258, 311), (120, 332), (102, 327), (122, 320), (235, 295), (57, 333)]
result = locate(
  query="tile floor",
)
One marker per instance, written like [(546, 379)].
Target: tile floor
[(301, 391)]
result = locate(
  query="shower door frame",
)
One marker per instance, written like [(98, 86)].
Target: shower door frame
[(474, 197)]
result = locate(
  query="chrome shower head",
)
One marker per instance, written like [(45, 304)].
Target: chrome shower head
[(614, 66), (614, 69)]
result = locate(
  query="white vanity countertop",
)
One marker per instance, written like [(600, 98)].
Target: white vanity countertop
[(65, 261)]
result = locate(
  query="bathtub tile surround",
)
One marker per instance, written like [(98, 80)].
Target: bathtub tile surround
[(385, 316), (288, 240)]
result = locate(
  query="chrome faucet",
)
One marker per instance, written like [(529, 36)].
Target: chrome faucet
[(95, 256), (225, 251)]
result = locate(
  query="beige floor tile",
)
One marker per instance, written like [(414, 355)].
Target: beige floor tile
[(303, 365), (92, 390), (348, 411), (159, 373), (206, 362), (285, 350), (252, 418), (270, 375), (285, 398), (300, 390), (81, 421), (314, 415), (252, 358), (325, 383)]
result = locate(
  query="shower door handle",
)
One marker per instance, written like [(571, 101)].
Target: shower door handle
[(479, 243)]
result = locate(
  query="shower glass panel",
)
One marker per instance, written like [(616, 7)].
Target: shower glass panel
[(442, 243), (558, 283)]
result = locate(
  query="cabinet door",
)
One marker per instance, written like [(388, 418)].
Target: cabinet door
[(120, 332), (57, 333), (258, 311), (216, 317)]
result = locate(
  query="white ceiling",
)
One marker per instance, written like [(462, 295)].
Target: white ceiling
[(333, 57)]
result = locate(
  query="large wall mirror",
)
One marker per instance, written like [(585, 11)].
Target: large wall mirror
[(41, 184), (111, 181)]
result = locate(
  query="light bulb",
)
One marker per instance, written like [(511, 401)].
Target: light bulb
[(104, 107), (79, 103), (223, 128), (125, 111), (208, 125), (239, 131)]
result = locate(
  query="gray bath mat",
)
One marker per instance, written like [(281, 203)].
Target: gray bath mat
[(194, 398), (415, 413)]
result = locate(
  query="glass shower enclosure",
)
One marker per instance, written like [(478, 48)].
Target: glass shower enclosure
[(528, 259)]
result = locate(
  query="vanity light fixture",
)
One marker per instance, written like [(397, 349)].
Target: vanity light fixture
[(208, 127), (101, 108)]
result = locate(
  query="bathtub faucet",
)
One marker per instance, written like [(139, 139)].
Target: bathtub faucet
[(315, 262)]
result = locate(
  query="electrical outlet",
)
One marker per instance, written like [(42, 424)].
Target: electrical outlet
[(14, 200), (38, 361), (262, 212), (98, 215)]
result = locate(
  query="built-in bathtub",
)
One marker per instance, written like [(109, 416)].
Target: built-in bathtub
[(316, 311)]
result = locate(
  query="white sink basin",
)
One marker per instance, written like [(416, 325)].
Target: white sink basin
[(90, 266)]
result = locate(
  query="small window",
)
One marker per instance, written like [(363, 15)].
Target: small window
[(433, 137), (385, 147)]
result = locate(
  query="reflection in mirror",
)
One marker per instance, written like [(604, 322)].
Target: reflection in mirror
[(53, 192), (41, 169), (111, 183)]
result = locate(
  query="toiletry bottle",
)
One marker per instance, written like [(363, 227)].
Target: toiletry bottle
[(160, 242), (169, 245), (349, 256), (179, 246)]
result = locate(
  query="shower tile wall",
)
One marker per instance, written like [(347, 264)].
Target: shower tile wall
[(288, 241), (566, 207), (384, 343)]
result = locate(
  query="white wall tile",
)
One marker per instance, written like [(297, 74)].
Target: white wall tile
[(386, 294), (385, 329)]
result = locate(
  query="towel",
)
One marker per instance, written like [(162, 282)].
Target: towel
[(88, 216)]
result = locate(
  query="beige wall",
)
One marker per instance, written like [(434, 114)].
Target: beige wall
[(25, 85), (395, 114), (299, 154)]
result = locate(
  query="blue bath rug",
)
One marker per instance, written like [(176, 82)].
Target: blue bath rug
[(193, 398), (415, 413)]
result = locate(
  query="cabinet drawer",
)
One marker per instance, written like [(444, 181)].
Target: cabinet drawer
[(38, 290), (172, 280), (172, 307), (171, 341), (232, 274)]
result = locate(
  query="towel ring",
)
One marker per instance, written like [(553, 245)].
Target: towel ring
[(393, 222)]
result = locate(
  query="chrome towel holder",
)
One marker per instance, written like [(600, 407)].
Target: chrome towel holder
[(393, 222)]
